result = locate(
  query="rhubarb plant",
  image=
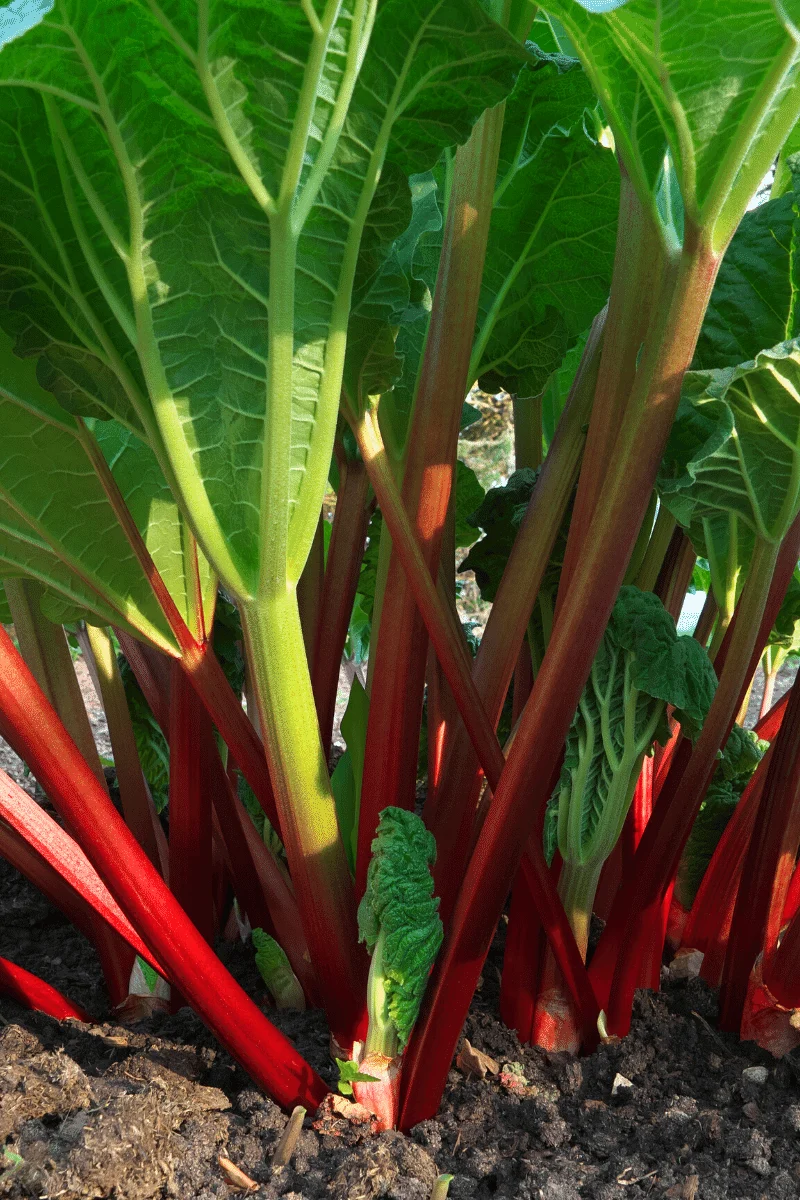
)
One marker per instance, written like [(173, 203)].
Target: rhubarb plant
[(251, 249)]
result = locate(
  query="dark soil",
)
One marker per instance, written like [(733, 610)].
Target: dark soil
[(135, 1113)]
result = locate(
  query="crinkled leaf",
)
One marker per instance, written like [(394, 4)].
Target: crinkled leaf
[(734, 450), (641, 666), (674, 74), (662, 665), (499, 516), (741, 755), (399, 904)]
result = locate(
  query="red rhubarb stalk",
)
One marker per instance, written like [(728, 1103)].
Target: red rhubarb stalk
[(521, 795), (37, 845), (709, 921), (452, 822), (345, 552), (32, 992), (400, 654), (190, 860), (455, 662), (39, 737), (768, 869)]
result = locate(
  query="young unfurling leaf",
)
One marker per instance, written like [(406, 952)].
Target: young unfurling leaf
[(399, 921), (641, 667)]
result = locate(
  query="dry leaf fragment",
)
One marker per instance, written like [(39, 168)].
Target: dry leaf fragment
[(235, 1177), (686, 1189), (335, 1107), (475, 1064)]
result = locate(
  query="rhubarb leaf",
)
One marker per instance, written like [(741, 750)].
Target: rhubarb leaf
[(400, 912), (499, 516), (754, 301), (56, 522), (742, 753), (176, 193), (734, 451), (674, 75), (553, 230), (468, 497), (350, 1074), (642, 666)]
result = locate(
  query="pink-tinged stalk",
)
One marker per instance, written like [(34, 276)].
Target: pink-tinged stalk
[(39, 737), (768, 869), (32, 992), (628, 939), (260, 881), (639, 267), (521, 795), (345, 552), (453, 820), (137, 803), (452, 655), (676, 573), (398, 675), (190, 858)]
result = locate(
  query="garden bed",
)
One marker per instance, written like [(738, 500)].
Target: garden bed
[(145, 1111)]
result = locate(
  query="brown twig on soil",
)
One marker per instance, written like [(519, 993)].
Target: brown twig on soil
[(235, 1177), (288, 1139)]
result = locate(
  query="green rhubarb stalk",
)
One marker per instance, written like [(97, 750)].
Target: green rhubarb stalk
[(300, 780), (647, 574)]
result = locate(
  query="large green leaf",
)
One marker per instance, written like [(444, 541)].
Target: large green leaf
[(550, 249), (553, 230), (212, 194), (754, 301), (56, 522), (715, 83), (734, 451)]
